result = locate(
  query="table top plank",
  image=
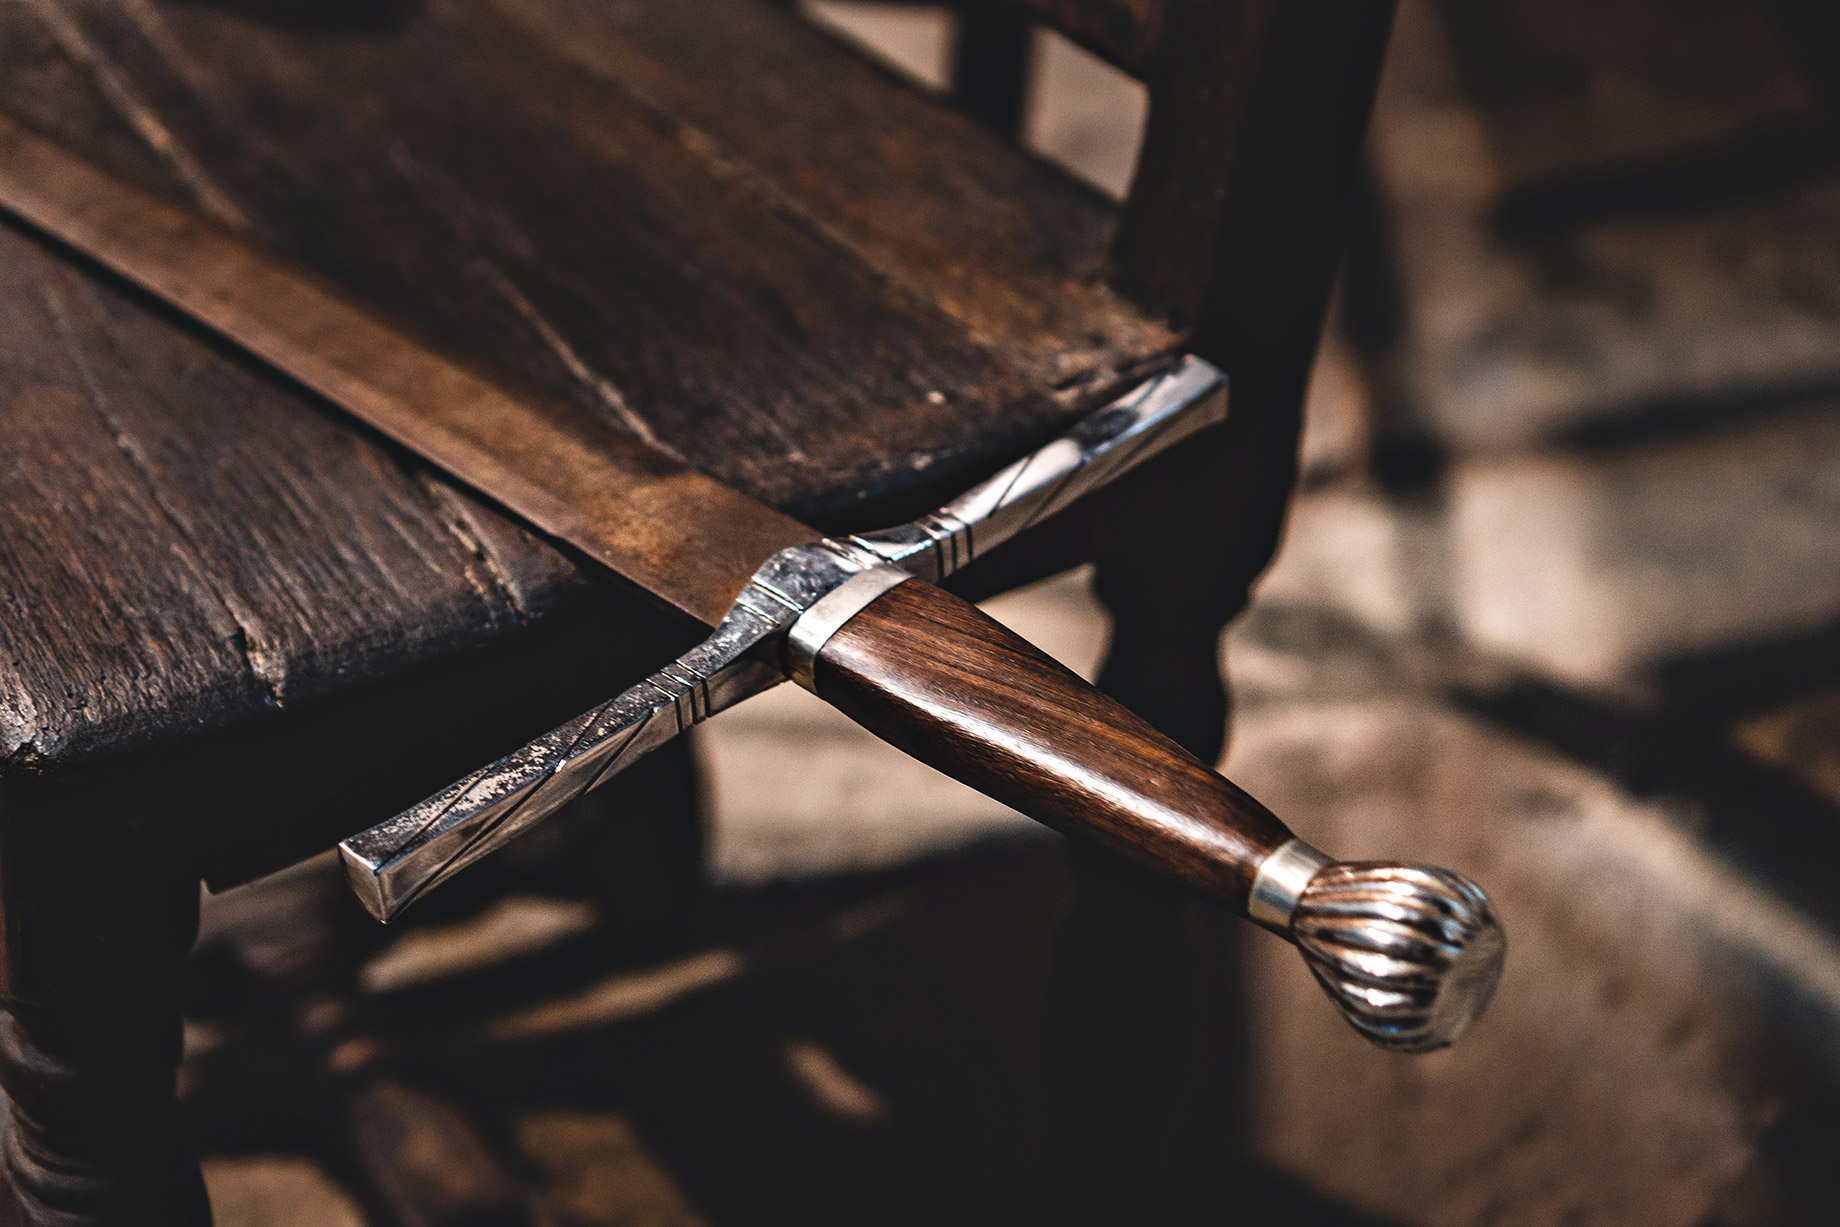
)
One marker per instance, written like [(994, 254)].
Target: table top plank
[(144, 611), (521, 209), (1010, 245)]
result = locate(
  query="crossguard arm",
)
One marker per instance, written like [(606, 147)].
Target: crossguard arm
[(1410, 955)]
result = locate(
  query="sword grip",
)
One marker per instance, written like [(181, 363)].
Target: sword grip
[(1410, 954), (935, 676)]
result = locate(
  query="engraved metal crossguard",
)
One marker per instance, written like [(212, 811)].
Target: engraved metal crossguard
[(1410, 954)]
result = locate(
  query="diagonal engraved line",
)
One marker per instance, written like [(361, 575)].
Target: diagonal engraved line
[(764, 616), (554, 764), (1149, 386), (1126, 457), (1118, 464), (699, 691), (693, 690), (1047, 502), (1021, 468), (862, 544), (668, 696), (776, 594), (614, 762), (522, 802)]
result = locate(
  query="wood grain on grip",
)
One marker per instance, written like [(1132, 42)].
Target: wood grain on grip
[(929, 673)]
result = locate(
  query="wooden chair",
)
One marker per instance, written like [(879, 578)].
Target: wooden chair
[(237, 627)]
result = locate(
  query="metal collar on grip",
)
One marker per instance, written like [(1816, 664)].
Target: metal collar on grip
[(826, 617), (1281, 880)]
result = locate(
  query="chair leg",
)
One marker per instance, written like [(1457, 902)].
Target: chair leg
[(1112, 1046), (990, 65), (1203, 523), (94, 935)]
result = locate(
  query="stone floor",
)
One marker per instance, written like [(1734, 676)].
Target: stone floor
[(1559, 606)]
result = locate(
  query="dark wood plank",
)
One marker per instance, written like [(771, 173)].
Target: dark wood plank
[(241, 551), (497, 201), (233, 619), (688, 541), (926, 671), (538, 216), (1010, 245), (111, 618), (523, 210), (188, 545)]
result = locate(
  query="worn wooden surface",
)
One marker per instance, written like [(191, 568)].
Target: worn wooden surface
[(189, 545), (751, 265), (809, 280), (688, 541), (925, 671)]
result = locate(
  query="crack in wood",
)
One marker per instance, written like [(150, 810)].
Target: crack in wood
[(598, 384), (114, 87), (445, 502), (264, 665)]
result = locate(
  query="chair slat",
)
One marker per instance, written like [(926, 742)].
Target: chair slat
[(1121, 31)]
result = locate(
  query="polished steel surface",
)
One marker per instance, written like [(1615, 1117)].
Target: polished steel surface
[(392, 864), (1410, 953), (688, 540), (395, 862), (1280, 882), (1151, 417), (815, 626)]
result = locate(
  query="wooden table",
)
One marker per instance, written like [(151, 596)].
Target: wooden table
[(238, 627)]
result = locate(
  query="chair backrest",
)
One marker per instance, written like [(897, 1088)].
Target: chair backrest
[(1120, 31), (1232, 224)]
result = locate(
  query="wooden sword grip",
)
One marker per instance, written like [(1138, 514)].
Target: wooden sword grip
[(931, 674)]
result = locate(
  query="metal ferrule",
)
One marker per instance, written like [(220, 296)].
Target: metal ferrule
[(816, 625), (1280, 883)]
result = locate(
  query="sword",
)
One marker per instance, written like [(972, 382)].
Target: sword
[(1410, 953)]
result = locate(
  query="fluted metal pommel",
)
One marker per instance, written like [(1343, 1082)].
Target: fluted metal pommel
[(1411, 953)]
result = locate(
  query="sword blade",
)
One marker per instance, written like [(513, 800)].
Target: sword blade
[(686, 539)]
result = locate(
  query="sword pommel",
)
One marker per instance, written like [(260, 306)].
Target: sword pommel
[(1410, 953)]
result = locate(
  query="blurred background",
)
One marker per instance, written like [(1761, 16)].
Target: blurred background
[(1559, 606)]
